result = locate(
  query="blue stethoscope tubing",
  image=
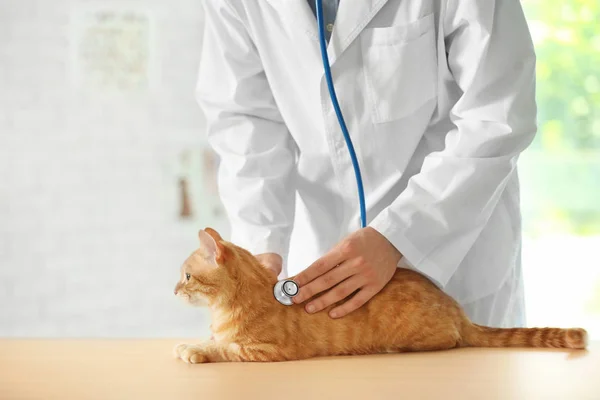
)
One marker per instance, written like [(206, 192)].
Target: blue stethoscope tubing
[(338, 112)]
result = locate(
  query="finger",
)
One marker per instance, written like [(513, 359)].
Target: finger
[(340, 292), (321, 266), (353, 304), (325, 281)]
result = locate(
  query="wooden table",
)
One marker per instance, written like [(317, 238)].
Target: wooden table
[(145, 369)]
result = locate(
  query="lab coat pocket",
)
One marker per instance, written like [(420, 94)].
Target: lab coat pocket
[(400, 66)]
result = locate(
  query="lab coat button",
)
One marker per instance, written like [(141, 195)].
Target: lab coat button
[(329, 27)]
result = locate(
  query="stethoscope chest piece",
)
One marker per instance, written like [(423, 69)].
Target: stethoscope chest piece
[(284, 290)]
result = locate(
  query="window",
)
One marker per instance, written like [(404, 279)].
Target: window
[(560, 172)]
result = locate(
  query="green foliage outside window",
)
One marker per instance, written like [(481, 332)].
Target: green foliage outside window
[(561, 170)]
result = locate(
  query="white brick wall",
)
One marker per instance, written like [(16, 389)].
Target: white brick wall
[(90, 237)]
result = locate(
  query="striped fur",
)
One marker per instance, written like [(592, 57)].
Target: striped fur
[(409, 314)]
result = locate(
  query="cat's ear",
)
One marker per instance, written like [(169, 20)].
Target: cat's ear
[(214, 234), (213, 250)]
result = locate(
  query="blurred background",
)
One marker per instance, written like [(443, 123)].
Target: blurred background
[(106, 177)]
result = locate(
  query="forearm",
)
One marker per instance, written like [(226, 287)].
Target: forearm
[(245, 128), (444, 208)]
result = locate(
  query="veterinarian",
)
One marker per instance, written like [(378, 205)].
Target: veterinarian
[(438, 96)]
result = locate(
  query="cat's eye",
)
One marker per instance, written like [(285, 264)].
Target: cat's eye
[(187, 276)]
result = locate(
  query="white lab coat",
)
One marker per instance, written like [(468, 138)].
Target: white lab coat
[(438, 96)]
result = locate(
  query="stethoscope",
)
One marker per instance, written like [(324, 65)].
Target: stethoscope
[(285, 289)]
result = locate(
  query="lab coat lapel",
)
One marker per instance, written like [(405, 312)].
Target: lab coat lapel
[(298, 14), (351, 19)]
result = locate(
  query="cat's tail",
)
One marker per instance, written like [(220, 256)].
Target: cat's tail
[(481, 336)]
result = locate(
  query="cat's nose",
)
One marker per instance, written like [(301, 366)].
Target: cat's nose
[(175, 291)]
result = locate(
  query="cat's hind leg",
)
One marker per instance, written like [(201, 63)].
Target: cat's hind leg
[(444, 339)]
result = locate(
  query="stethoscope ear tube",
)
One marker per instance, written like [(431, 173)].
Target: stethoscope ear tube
[(284, 290), (338, 112)]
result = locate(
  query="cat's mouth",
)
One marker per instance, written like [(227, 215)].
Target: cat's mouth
[(184, 296), (194, 301)]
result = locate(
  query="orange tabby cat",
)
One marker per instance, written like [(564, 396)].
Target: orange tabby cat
[(409, 314)]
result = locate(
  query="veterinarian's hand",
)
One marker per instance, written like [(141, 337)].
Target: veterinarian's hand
[(272, 261), (363, 261)]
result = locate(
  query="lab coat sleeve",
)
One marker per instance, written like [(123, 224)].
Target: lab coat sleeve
[(246, 130), (438, 217)]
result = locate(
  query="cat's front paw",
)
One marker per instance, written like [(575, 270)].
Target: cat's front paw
[(191, 353)]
